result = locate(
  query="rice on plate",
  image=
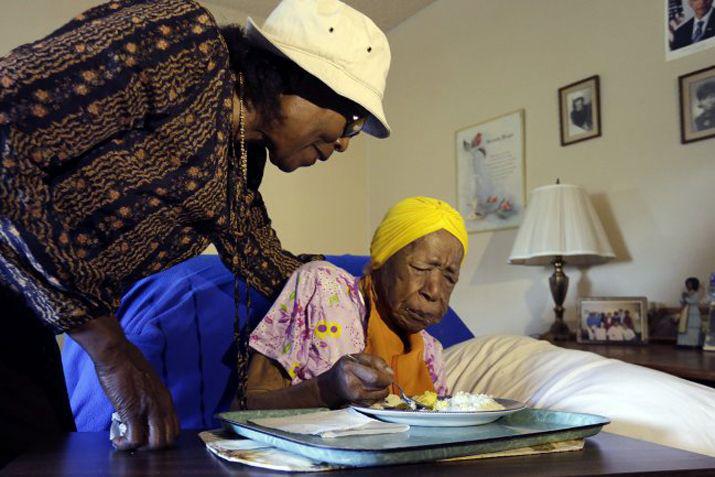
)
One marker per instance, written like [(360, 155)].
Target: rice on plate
[(467, 402), (460, 402)]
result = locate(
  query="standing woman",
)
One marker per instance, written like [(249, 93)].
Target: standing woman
[(130, 139)]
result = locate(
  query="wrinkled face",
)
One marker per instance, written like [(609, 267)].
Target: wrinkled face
[(414, 286), (311, 126), (701, 7)]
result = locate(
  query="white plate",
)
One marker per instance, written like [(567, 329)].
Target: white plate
[(443, 418)]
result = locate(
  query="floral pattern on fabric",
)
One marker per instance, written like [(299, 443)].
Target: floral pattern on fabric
[(319, 317)]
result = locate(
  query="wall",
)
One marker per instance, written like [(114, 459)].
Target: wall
[(321, 209), (459, 62)]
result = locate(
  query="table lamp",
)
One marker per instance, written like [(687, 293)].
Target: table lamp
[(560, 225)]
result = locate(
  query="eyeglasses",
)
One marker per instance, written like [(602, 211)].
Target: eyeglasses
[(353, 126)]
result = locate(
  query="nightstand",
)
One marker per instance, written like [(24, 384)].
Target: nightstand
[(691, 364)]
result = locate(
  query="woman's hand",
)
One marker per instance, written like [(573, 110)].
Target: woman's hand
[(132, 386), (364, 380), (141, 400)]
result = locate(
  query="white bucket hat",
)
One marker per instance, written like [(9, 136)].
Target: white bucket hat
[(335, 43)]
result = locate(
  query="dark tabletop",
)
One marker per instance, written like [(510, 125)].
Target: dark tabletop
[(688, 363), (90, 453)]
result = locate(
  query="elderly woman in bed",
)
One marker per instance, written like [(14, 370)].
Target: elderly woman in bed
[(324, 314)]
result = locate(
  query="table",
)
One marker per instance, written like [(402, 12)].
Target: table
[(90, 454), (692, 364)]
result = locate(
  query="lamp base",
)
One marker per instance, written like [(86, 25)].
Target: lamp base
[(559, 331), (559, 284)]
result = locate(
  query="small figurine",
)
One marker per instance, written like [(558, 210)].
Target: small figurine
[(690, 323)]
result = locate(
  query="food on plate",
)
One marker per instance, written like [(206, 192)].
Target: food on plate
[(468, 402), (460, 402), (394, 401), (427, 399)]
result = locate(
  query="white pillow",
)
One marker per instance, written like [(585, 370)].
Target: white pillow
[(642, 403)]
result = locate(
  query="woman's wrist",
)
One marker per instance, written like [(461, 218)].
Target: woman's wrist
[(102, 339), (315, 392), (326, 391)]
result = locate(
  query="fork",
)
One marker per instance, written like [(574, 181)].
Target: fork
[(414, 405)]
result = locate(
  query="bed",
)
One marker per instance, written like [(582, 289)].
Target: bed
[(182, 320)]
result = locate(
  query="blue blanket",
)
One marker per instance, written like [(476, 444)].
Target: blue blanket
[(182, 320)]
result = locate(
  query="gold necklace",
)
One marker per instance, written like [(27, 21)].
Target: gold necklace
[(241, 339), (243, 163)]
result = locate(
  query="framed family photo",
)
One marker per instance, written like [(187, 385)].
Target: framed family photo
[(580, 111), (613, 320), (491, 186), (689, 27), (697, 105)]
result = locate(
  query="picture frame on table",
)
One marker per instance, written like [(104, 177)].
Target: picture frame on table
[(613, 320), (580, 111), (697, 105), (663, 323), (491, 174)]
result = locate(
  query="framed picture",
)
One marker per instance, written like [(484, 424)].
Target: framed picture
[(689, 27), (697, 105), (580, 111), (491, 188), (663, 323), (613, 320)]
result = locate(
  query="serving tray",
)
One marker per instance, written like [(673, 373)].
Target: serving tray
[(420, 444)]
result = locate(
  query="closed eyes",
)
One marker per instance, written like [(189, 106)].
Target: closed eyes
[(448, 275)]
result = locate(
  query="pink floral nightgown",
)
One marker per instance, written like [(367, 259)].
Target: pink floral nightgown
[(319, 317)]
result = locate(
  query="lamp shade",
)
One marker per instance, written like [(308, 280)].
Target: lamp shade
[(560, 221)]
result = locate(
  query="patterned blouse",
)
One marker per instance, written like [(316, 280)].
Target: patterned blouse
[(319, 317), (115, 149)]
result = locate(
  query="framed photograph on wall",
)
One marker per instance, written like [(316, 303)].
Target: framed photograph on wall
[(689, 27), (613, 320), (580, 111), (697, 105), (491, 187)]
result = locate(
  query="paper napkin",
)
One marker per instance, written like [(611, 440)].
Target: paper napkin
[(329, 424)]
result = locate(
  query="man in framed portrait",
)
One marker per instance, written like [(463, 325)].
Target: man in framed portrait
[(700, 27), (581, 113), (705, 94)]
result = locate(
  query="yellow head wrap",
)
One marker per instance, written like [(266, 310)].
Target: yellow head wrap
[(411, 219)]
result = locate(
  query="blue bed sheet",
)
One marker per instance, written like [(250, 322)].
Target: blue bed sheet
[(182, 320)]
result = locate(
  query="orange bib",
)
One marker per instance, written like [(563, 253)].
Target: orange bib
[(410, 368)]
